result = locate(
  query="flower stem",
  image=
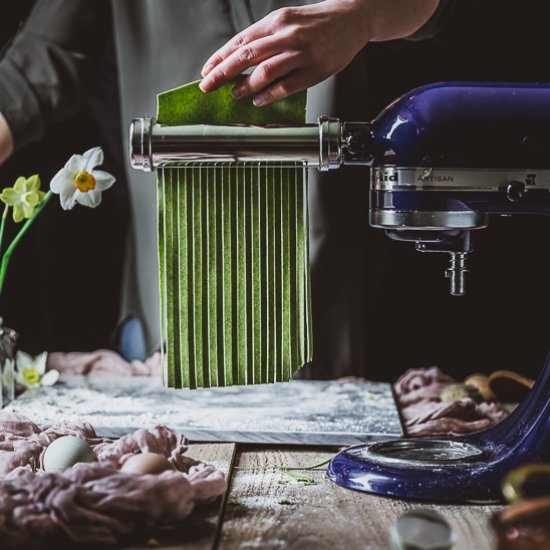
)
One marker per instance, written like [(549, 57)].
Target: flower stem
[(303, 468), (3, 224), (9, 251)]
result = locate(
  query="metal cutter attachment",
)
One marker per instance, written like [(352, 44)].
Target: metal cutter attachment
[(443, 158)]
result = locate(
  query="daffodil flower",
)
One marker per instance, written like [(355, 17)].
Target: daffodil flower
[(80, 182), (31, 371), (24, 197)]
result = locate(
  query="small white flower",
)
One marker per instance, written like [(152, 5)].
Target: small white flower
[(31, 371), (79, 181)]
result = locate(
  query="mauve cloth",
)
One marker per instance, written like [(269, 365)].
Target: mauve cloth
[(94, 502), (102, 361), (417, 393)]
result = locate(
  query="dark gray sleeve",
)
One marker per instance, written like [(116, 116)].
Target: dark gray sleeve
[(437, 21), (44, 72)]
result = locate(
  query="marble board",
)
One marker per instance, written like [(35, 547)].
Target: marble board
[(297, 412)]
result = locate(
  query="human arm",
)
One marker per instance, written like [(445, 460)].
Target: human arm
[(294, 48), (6, 140), (44, 72)]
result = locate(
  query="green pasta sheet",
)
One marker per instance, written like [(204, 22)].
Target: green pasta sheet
[(233, 254), (189, 105)]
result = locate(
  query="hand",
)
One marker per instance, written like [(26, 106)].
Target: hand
[(295, 48), (6, 140)]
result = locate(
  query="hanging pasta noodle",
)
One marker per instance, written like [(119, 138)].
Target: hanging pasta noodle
[(234, 269)]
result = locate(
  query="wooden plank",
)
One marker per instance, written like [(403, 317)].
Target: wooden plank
[(268, 509)]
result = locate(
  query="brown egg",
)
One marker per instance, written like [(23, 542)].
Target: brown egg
[(146, 463)]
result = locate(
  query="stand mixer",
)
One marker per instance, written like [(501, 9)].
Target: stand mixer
[(443, 158)]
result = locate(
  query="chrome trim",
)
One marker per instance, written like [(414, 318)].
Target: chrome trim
[(420, 452), (394, 178), (152, 145), (392, 219), (330, 143), (139, 144)]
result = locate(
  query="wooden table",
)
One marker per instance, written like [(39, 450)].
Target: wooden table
[(267, 508), (264, 507)]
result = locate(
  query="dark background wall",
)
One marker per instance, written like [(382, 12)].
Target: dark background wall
[(62, 290), (501, 322), (63, 286)]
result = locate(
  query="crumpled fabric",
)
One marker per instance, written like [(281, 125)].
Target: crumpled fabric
[(94, 502), (417, 393), (421, 386), (102, 362), (22, 442)]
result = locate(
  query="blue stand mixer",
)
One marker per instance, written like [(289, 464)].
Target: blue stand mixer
[(443, 158)]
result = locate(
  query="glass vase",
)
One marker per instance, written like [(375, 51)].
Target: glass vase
[(8, 340)]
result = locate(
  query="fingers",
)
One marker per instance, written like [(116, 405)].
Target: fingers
[(267, 72), (239, 61), (281, 47), (295, 82), (254, 32)]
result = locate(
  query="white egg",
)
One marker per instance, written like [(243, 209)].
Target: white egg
[(66, 452)]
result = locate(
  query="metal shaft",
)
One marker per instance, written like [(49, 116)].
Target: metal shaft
[(456, 272), (152, 145)]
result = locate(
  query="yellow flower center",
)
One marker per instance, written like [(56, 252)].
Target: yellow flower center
[(31, 198), (84, 181), (31, 375)]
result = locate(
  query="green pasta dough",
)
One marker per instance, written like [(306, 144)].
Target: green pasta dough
[(189, 105), (233, 252)]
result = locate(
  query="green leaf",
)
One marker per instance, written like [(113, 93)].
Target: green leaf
[(189, 105)]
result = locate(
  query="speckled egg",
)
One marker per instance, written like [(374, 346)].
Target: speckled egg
[(146, 463), (66, 452)]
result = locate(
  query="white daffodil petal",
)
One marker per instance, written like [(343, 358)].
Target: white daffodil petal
[(20, 379), (68, 197), (50, 378), (33, 183), (20, 185), (10, 196), (18, 213), (103, 180), (91, 198), (40, 362), (75, 164), (61, 180), (93, 157), (27, 210), (22, 361)]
